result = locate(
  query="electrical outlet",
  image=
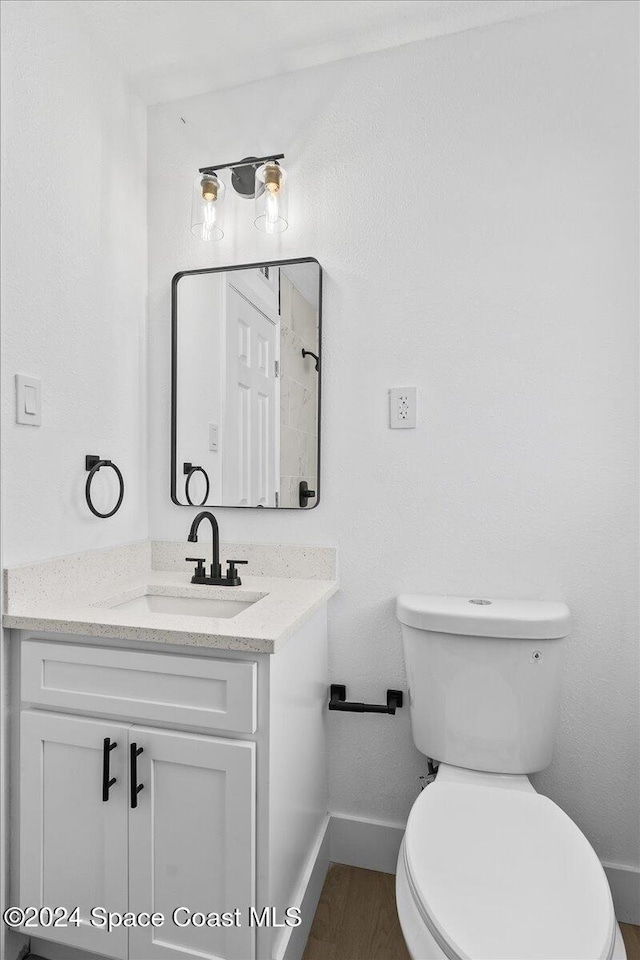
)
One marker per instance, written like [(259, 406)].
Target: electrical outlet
[(403, 403)]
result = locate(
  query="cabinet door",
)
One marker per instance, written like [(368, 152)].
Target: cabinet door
[(73, 844), (192, 843)]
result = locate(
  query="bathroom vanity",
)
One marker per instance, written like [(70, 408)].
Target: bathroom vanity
[(171, 751), (168, 759)]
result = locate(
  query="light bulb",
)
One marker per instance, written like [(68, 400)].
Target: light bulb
[(271, 210), (271, 198), (209, 189), (207, 207), (210, 214)]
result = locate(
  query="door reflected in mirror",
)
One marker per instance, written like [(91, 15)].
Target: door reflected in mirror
[(246, 369)]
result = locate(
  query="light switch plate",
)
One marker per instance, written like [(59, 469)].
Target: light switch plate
[(213, 437), (403, 402), (28, 400)]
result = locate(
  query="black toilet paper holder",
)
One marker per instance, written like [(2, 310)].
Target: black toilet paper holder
[(338, 701)]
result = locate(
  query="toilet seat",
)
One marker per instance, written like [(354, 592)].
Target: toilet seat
[(498, 874)]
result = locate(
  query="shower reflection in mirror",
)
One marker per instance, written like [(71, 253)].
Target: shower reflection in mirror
[(246, 386)]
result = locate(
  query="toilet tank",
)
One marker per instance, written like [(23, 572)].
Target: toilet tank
[(484, 679)]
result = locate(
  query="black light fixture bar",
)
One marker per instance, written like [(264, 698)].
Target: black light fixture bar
[(252, 161)]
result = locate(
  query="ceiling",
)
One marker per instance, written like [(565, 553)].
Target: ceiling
[(171, 49)]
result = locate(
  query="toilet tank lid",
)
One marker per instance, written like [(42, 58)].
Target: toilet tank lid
[(485, 617)]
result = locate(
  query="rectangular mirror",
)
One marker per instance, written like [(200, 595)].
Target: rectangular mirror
[(246, 363)]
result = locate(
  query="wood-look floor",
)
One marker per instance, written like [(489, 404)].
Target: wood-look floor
[(631, 935), (356, 919)]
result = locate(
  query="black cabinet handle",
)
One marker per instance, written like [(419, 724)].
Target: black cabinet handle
[(136, 787), (107, 782)]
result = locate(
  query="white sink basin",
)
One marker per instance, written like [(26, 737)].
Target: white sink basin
[(184, 606)]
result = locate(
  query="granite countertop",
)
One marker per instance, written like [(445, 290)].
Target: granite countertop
[(279, 604)]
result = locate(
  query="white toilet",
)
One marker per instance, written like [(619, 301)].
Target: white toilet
[(488, 868)]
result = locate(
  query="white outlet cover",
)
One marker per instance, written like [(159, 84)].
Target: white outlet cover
[(403, 408)]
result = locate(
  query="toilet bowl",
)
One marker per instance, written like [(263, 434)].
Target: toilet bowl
[(489, 869)]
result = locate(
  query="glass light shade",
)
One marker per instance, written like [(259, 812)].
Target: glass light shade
[(207, 207), (271, 198)]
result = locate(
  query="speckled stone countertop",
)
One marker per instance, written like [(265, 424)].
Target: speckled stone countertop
[(79, 595)]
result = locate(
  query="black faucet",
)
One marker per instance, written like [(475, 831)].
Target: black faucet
[(215, 577)]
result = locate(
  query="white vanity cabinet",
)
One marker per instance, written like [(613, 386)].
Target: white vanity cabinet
[(229, 752), (189, 839), (73, 847), (194, 844)]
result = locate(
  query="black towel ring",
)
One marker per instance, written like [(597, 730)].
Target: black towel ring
[(189, 469), (93, 464)]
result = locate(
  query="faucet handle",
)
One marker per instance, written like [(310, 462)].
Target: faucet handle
[(199, 572), (232, 573)]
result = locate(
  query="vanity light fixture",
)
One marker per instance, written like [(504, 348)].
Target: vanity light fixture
[(259, 178)]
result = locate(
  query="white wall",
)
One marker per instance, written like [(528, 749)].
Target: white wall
[(74, 283), (472, 201)]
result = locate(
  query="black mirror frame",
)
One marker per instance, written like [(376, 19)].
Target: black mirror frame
[(174, 372)]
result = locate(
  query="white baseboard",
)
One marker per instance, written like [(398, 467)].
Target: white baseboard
[(374, 845), (625, 890), (371, 844), (291, 945)]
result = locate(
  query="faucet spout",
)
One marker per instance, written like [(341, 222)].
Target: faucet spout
[(231, 579), (216, 570)]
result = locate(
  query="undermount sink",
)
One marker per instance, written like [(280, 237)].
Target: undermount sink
[(184, 606)]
